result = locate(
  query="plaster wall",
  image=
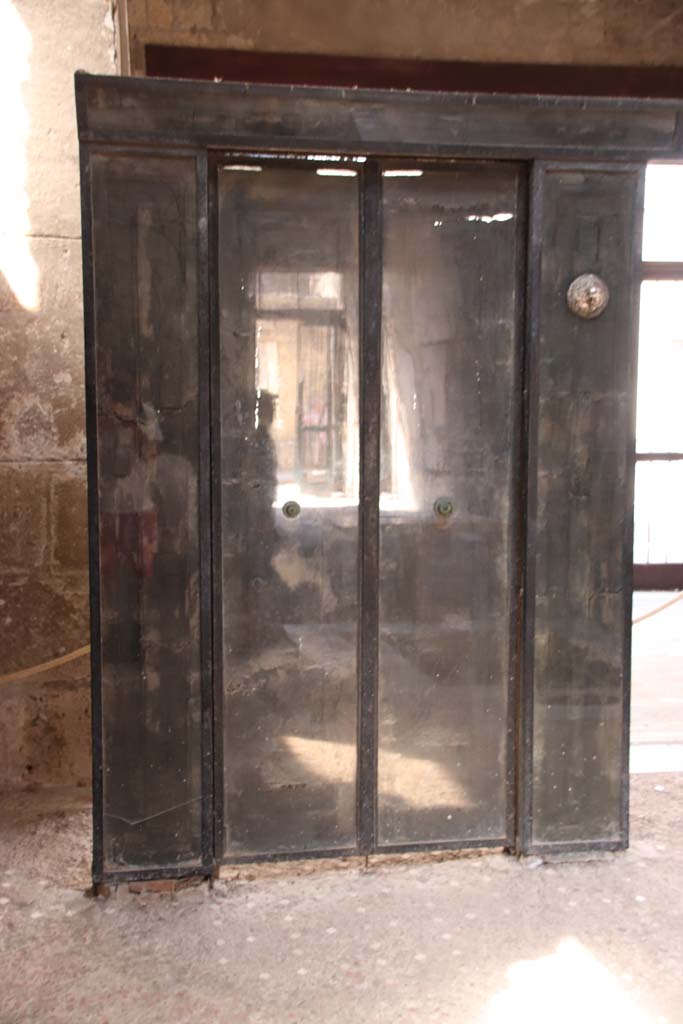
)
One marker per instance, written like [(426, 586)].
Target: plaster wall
[(44, 730)]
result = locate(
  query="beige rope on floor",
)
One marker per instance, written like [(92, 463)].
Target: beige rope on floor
[(660, 608), (36, 670)]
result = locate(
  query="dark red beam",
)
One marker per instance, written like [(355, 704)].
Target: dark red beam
[(431, 75), (658, 577)]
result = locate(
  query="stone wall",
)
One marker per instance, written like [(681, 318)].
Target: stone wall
[(44, 722), (526, 31)]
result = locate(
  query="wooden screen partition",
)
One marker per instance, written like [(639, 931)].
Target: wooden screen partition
[(361, 483)]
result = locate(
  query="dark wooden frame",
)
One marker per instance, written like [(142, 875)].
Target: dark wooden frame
[(133, 115), (231, 116)]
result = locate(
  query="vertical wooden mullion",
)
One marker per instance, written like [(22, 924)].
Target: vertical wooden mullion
[(93, 518), (215, 508), (368, 548), (630, 442), (529, 454), (205, 545)]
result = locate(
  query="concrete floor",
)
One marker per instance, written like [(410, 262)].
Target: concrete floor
[(475, 940)]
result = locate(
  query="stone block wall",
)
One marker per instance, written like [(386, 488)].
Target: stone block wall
[(44, 722), (524, 31)]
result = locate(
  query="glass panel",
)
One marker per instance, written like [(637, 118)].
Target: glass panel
[(663, 221), (660, 368), (580, 492), (659, 499), (289, 394), (449, 340), (144, 220)]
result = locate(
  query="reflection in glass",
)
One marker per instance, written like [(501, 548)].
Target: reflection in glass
[(148, 448), (289, 414), (282, 290), (449, 342), (658, 503), (663, 220), (659, 425)]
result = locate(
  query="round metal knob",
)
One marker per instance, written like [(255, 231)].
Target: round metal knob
[(443, 507), (587, 296), (291, 509)]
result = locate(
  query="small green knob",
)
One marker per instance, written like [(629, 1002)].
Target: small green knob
[(291, 509), (443, 507)]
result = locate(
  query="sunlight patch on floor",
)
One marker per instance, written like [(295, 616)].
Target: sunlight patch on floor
[(569, 986)]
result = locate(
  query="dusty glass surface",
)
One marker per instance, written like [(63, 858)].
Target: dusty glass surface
[(449, 357), (288, 264), (144, 227)]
